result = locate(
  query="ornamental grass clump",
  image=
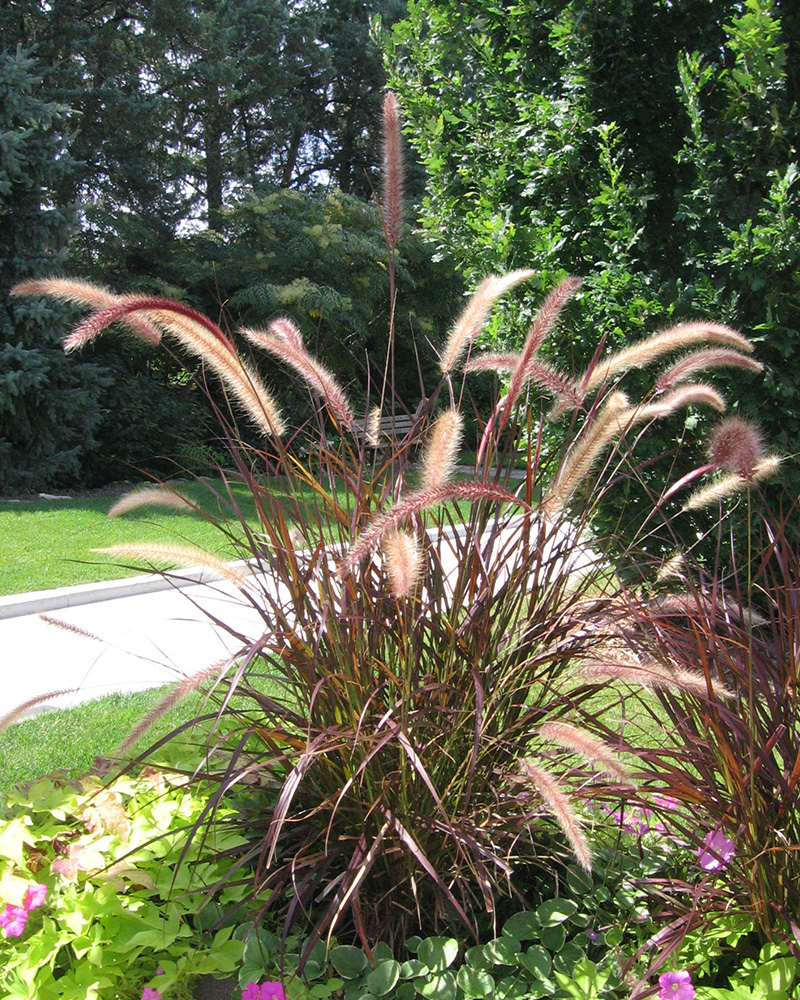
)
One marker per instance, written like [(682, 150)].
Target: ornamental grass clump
[(399, 730), (731, 759)]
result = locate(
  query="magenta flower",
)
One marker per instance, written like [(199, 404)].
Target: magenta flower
[(150, 994), (266, 991), (34, 896), (666, 802), (675, 986), (716, 852), (12, 920), (272, 991)]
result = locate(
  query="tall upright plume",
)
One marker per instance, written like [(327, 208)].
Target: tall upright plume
[(392, 170)]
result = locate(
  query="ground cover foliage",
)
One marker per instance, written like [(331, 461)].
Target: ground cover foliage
[(410, 741)]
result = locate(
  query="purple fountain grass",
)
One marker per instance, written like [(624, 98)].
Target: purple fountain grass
[(283, 340), (710, 357), (413, 505), (441, 453), (403, 562), (151, 496), (651, 349), (392, 170), (736, 445), (541, 327), (559, 805), (472, 320), (84, 293), (593, 750), (176, 555)]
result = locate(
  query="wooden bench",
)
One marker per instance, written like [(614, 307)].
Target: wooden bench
[(390, 431)]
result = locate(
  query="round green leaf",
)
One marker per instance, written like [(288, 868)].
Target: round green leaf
[(383, 978), (405, 991), (553, 938), (474, 982), (512, 988), (413, 968), (382, 952), (476, 958), (348, 961), (568, 957), (579, 881), (438, 953), (522, 926), (502, 951), (259, 948), (537, 961), (555, 911), (441, 987)]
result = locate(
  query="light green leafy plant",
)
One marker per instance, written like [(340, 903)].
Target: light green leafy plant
[(118, 913)]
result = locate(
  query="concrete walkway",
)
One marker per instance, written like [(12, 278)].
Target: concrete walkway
[(125, 635), (129, 635)]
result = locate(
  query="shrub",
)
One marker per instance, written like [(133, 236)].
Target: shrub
[(387, 730)]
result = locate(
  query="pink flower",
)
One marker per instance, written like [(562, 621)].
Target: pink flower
[(34, 896), (12, 920), (675, 986), (272, 991), (666, 802), (266, 991), (149, 994), (716, 852)]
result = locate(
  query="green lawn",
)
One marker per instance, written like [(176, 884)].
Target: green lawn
[(48, 543), (71, 739)]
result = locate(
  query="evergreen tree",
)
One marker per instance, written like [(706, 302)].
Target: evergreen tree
[(49, 407)]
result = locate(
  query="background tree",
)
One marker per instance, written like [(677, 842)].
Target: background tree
[(650, 148), (49, 409)]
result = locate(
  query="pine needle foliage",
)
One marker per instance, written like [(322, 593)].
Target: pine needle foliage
[(381, 728)]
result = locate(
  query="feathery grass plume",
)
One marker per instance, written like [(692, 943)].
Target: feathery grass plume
[(442, 450), (493, 363), (736, 445), (238, 377), (595, 437), (96, 297), (589, 747), (128, 305), (673, 339), (709, 357), (392, 170), (559, 805), (372, 427), (673, 568), (283, 340), (415, 503), (150, 496), (200, 336), (470, 323), (174, 696), (68, 627), (176, 555), (651, 675), (687, 395), (688, 605), (20, 710), (403, 562), (542, 325), (733, 483)]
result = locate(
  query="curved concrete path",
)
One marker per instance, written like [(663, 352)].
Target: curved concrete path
[(129, 635)]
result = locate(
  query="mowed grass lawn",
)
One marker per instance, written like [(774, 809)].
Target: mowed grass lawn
[(48, 543)]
